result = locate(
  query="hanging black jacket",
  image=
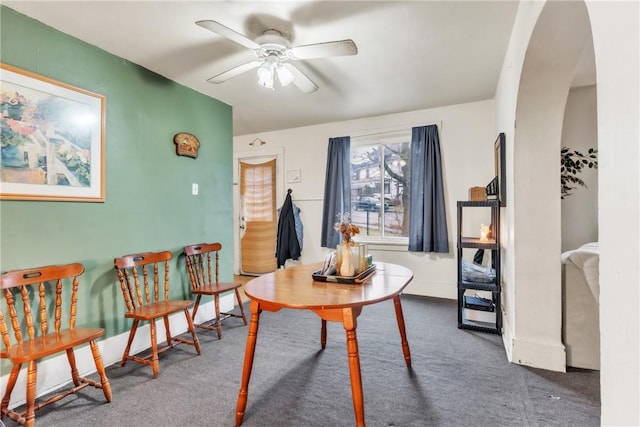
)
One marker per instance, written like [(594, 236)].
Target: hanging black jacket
[(287, 246)]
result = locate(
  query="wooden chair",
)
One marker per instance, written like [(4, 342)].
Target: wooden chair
[(140, 276), (45, 286), (203, 274)]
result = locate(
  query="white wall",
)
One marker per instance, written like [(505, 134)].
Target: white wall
[(506, 102), (580, 132), (467, 134), (616, 39)]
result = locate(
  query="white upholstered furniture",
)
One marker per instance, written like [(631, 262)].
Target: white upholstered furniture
[(580, 306)]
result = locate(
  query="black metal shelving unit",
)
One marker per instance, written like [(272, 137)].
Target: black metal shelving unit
[(468, 305)]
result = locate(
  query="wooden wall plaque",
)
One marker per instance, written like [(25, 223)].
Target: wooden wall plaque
[(186, 144)]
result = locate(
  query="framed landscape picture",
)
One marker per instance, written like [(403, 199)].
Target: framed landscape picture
[(52, 140)]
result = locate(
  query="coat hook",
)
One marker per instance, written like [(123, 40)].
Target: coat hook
[(257, 141)]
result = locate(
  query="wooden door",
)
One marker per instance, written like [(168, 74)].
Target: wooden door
[(258, 216)]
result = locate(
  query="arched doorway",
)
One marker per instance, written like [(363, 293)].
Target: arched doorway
[(534, 301), (615, 31)]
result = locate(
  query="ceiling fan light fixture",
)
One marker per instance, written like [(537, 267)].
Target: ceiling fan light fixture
[(265, 75), (273, 51), (284, 75)]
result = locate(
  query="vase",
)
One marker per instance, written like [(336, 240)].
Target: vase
[(347, 267)]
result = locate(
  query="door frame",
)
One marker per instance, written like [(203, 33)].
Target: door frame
[(273, 152)]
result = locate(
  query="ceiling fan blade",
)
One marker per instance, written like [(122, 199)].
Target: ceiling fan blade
[(324, 50), (302, 82), (227, 32), (235, 71)]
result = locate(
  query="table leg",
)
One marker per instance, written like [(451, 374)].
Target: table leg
[(250, 349), (403, 332), (323, 334), (349, 322)]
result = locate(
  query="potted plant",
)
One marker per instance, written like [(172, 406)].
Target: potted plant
[(571, 164)]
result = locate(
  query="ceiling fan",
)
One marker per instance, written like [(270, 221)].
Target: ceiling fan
[(274, 56)]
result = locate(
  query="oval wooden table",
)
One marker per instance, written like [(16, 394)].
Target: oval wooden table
[(336, 302)]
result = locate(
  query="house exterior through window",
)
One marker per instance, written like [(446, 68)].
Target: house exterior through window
[(380, 182)]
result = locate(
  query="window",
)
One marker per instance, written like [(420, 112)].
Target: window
[(380, 167)]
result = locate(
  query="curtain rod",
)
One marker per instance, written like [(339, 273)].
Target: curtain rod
[(394, 129)]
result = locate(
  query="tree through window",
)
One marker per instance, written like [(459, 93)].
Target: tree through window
[(380, 183)]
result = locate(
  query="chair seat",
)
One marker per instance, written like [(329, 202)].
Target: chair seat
[(49, 344), (159, 309), (216, 288)]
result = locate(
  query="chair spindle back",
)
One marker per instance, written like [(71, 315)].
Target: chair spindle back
[(200, 265), (140, 277), (18, 285)]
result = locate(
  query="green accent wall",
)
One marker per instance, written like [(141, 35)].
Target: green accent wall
[(149, 205)]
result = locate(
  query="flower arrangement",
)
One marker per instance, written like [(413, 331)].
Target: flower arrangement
[(346, 228)]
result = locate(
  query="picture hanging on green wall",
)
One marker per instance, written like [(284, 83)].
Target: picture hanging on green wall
[(52, 139)]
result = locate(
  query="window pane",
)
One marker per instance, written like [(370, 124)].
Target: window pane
[(396, 195), (379, 189), (365, 182)]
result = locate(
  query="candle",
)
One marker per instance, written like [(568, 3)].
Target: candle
[(484, 233)]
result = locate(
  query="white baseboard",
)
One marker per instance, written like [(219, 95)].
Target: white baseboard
[(536, 354), (543, 355), (424, 288), (54, 373)]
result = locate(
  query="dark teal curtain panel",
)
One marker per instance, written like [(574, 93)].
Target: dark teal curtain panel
[(428, 216), (337, 188)]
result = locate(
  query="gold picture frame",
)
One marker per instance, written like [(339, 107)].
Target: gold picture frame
[(53, 139)]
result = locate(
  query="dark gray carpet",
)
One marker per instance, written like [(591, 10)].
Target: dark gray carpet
[(459, 378)]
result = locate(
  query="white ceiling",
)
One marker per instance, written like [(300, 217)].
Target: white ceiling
[(411, 55)]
